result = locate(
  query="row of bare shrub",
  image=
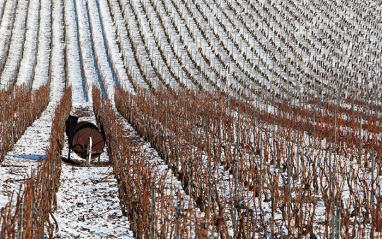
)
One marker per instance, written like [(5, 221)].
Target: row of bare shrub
[(133, 181), (170, 133), (278, 164), (319, 119), (30, 213), (142, 189), (19, 108)]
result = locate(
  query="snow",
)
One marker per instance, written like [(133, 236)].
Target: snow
[(57, 65), (87, 201), (88, 204), (42, 71), (140, 52), (30, 46), (104, 70), (6, 29), (9, 72), (74, 77), (25, 155), (221, 44), (113, 50), (125, 45), (168, 186), (87, 49)]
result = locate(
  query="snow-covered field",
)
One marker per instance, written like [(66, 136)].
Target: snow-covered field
[(307, 54)]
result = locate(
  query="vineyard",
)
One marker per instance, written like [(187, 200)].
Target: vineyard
[(222, 118)]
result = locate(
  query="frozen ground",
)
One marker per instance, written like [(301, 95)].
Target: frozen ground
[(27, 151), (88, 204), (87, 200)]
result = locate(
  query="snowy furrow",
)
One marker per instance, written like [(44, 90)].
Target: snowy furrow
[(149, 41), (270, 12), (296, 69), (298, 27), (42, 70), (319, 49), (12, 64), (324, 55), (165, 46), (106, 46), (57, 61), (139, 46), (215, 70), (212, 48), (124, 43), (87, 200), (219, 39), (104, 70), (343, 32), (259, 50), (73, 76), (113, 50), (278, 65), (353, 26), (193, 60), (6, 27), (325, 58), (231, 45), (373, 11), (28, 62), (91, 73), (284, 30), (178, 45), (28, 150), (348, 43), (295, 38), (253, 46)]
